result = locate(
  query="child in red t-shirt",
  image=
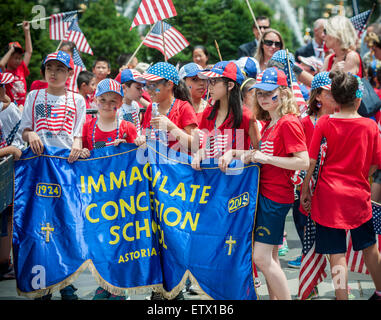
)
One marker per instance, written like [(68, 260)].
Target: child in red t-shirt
[(227, 126), (282, 151), (86, 87), (341, 200), (106, 129), (171, 117), (16, 61)]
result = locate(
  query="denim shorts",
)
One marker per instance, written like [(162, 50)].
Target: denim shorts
[(334, 241), (270, 220)]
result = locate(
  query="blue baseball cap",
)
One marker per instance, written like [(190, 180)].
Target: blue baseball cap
[(270, 79), (60, 56), (227, 69), (249, 66), (131, 74), (109, 85), (190, 70), (162, 70), (321, 80)]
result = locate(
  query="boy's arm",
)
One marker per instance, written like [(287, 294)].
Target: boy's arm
[(5, 58), (76, 150), (11, 150), (28, 43)]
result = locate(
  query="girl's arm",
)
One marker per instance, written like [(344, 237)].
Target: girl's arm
[(305, 194), (299, 160), (255, 135)]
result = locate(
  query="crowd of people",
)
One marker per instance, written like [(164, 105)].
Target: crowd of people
[(240, 109)]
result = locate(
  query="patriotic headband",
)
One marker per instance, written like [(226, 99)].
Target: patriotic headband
[(321, 80)]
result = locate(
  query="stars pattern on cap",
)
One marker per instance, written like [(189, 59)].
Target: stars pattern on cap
[(321, 80), (164, 70)]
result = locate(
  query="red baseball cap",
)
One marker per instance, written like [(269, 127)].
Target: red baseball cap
[(16, 44)]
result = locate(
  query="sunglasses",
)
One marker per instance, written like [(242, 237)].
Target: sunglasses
[(270, 43), (263, 27)]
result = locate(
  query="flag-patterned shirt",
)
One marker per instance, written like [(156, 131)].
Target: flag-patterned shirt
[(130, 113), (56, 119)]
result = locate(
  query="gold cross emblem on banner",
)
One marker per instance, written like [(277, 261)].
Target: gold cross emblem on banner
[(47, 229), (230, 242)]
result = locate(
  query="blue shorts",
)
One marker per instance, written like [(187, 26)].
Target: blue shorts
[(334, 241), (270, 220)]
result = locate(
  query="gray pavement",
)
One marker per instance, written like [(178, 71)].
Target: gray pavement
[(361, 285)]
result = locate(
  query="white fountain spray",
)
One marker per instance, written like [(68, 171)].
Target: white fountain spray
[(290, 13)]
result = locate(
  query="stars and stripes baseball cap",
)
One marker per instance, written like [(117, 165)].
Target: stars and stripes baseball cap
[(321, 80), (6, 78), (60, 56), (190, 70), (162, 70), (227, 69), (248, 66), (270, 79), (131, 74), (109, 85)]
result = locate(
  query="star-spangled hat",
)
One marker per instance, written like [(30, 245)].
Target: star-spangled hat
[(249, 66), (131, 74), (6, 78), (321, 80), (270, 79), (162, 70), (60, 56), (227, 69), (190, 70), (109, 85)]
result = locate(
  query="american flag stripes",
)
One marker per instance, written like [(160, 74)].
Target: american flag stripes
[(151, 11), (360, 21), (355, 259), (78, 67), (55, 118), (312, 269), (75, 35), (174, 40), (59, 24), (6, 78)]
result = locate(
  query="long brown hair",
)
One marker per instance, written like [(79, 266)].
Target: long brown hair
[(259, 55)]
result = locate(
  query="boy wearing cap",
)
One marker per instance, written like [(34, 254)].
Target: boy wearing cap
[(54, 116), (16, 61), (133, 90), (107, 129)]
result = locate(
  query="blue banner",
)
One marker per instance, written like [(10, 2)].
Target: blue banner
[(136, 218)]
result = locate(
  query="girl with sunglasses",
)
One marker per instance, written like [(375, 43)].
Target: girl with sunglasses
[(226, 126), (270, 43), (171, 112)]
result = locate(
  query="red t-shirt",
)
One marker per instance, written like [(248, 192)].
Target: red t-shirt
[(182, 115), (282, 140), (38, 85), (127, 131), (342, 195), (308, 127), (17, 90), (225, 136)]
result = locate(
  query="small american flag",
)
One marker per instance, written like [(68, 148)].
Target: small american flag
[(59, 24), (312, 269), (75, 35), (151, 11), (78, 67), (174, 40), (355, 259), (360, 21), (215, 145)]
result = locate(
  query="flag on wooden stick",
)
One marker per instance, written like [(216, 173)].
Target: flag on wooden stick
[(59, 24), (75, 35), (174, 40), (151, 11)]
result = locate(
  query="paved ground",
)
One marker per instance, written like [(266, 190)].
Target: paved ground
[(361, 286)]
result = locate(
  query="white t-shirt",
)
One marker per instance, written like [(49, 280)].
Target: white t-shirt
[(130, 113), (11, 120), (56, 119)]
